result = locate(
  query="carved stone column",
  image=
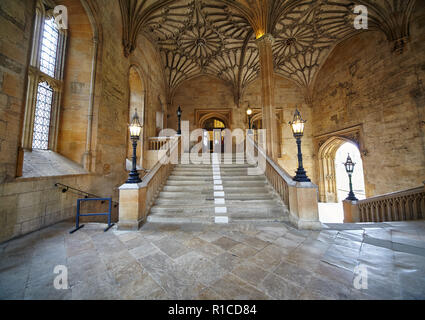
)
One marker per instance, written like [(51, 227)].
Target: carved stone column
[(267, 94)]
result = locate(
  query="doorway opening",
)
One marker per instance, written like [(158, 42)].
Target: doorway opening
[(333, 179), (342, 183), (215, 128)]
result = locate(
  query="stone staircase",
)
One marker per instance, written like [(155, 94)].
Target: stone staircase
[(216, 192)]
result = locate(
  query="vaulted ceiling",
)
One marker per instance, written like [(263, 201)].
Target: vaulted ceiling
[(217, 37)]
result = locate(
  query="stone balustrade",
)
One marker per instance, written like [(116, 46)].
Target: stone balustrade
[(158, 143), (396, 206), (300, 198), (136, 199)]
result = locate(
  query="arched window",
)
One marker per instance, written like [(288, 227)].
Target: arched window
[(136, 102), (44, 81)]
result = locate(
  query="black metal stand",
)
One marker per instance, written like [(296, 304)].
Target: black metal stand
[(351, 195), (134, 175), (77, 220), (301, 175)]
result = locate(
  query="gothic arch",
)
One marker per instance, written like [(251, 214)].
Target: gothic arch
[(214, 114), (327, 174), (136, 100)]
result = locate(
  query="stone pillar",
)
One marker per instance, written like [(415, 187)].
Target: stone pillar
[(351, 211), (132, 206), (303, 206), (267, 94)]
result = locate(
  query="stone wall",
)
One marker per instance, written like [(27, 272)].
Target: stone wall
[(16, 19), (28, 204), (147, 61), (204, 92), (77, 77), (364, 83)]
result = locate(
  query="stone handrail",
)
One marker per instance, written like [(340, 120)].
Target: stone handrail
[(395, 206), (277, 176), (137, 199), (158, 143), (300, 198)]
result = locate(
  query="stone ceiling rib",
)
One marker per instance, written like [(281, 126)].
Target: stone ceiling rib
[(217, 37)]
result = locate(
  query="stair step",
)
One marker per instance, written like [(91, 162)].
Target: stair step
[(269, 200), (210, 209), (210, 178), (209, 188), (226, 183), (194, 196), (209, 166), (210, 219), (188, 195)]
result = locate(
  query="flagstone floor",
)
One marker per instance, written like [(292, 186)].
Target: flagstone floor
[(234, 261)]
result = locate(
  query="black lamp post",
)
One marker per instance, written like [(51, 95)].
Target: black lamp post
[(249, 113), (349, 167), (135, 130), (179, 115), (297, 125)]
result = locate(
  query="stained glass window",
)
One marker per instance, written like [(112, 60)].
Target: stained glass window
[(49, 48), (44, 101), (43, 110)]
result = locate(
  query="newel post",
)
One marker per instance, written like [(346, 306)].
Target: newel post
[(132, 206), (303, 206), (351, 211)]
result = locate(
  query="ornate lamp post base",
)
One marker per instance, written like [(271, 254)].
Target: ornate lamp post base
[(301, 176), (351, 197), (134, 177)]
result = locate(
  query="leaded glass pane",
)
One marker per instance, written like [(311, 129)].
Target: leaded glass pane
[(43, 110), (49, 47)]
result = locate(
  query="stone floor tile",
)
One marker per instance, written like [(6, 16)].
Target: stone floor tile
[(211, 250), (209, 294), (200, 268), (210, 236), (170, 247), (250, 272), (143, 250), (225, 243), (330, 289), (233, 288), (279, 288), (227, 260), (234, 261), (293, 273), (269, 257), (256, 243), (243, 251)]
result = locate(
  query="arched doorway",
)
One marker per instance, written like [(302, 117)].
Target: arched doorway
[(342, 182), (333, 179), (136, 102), (215, 128)]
